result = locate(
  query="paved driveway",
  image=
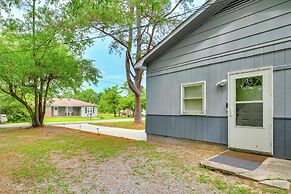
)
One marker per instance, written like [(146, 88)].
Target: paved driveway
[(117, 132)]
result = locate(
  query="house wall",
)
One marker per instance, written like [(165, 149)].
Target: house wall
[(77, 111), (62, 111), (83, 114), (253, 35)]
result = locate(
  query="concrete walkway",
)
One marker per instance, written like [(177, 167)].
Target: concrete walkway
[(117, 132), (24, 125), (272, 171)]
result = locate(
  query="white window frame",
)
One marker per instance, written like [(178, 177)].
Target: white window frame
[(90, 110), (203, 83)]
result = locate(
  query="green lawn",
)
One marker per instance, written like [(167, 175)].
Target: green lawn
[(58, 160), (31, 156), (76, 119), (123, 124)]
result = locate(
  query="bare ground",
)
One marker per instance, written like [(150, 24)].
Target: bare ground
[(138, 168)]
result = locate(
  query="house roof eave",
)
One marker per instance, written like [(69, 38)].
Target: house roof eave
[(207, 9)]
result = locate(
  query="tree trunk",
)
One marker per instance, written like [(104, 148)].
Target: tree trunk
[(36, 122), (137, 110), (35, 118), (42, 114), (138, 74)]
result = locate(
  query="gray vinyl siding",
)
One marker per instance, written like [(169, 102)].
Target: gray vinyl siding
[(164, 91), (214, 129), (259, 28), (211, 129), (252, 30), (253, 35)]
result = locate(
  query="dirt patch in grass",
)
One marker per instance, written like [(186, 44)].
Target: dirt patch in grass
[(47, 159), (58, 160), (125, 125), (8, 161)]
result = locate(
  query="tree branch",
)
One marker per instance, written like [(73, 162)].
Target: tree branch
[(173, 9), (151, 37), (50, 78), (128, 73), (111, 35), (14, 95)]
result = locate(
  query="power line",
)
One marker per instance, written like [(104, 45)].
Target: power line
[(101, 36)]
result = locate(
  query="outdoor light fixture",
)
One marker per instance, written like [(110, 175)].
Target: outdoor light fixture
[(221, 83)]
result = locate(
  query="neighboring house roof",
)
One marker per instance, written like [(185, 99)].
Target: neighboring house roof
[(189, 25), (69, 102)]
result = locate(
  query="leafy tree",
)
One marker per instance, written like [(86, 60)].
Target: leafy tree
[(7, 4), (135, 26), (42, 55), (127, 100), (13, 109), (110, 100), (88, 95)]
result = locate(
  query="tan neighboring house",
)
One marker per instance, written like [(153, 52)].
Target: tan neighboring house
[(66, 107)]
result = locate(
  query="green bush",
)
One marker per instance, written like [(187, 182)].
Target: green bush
[(15, 111)]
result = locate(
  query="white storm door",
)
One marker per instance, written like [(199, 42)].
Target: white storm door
[(250, 115)]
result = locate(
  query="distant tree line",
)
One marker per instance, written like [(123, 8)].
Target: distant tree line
[(111, 100)]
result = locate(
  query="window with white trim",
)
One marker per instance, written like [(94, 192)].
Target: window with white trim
[(193, 98)]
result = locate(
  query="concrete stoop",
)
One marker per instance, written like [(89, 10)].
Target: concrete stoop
[(272, 172)]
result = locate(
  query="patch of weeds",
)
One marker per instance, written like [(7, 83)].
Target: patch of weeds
[(50, 189), (63, 186), (138, 171), (220, 184), (31, 170), (84, 191), (210, 189), (241, 190), (152, 160), (36, 166), (182, 171), (103, 148), (37, 171), (273, 190), (204, 179), (252, 185), (205, 169), (128, 157)]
